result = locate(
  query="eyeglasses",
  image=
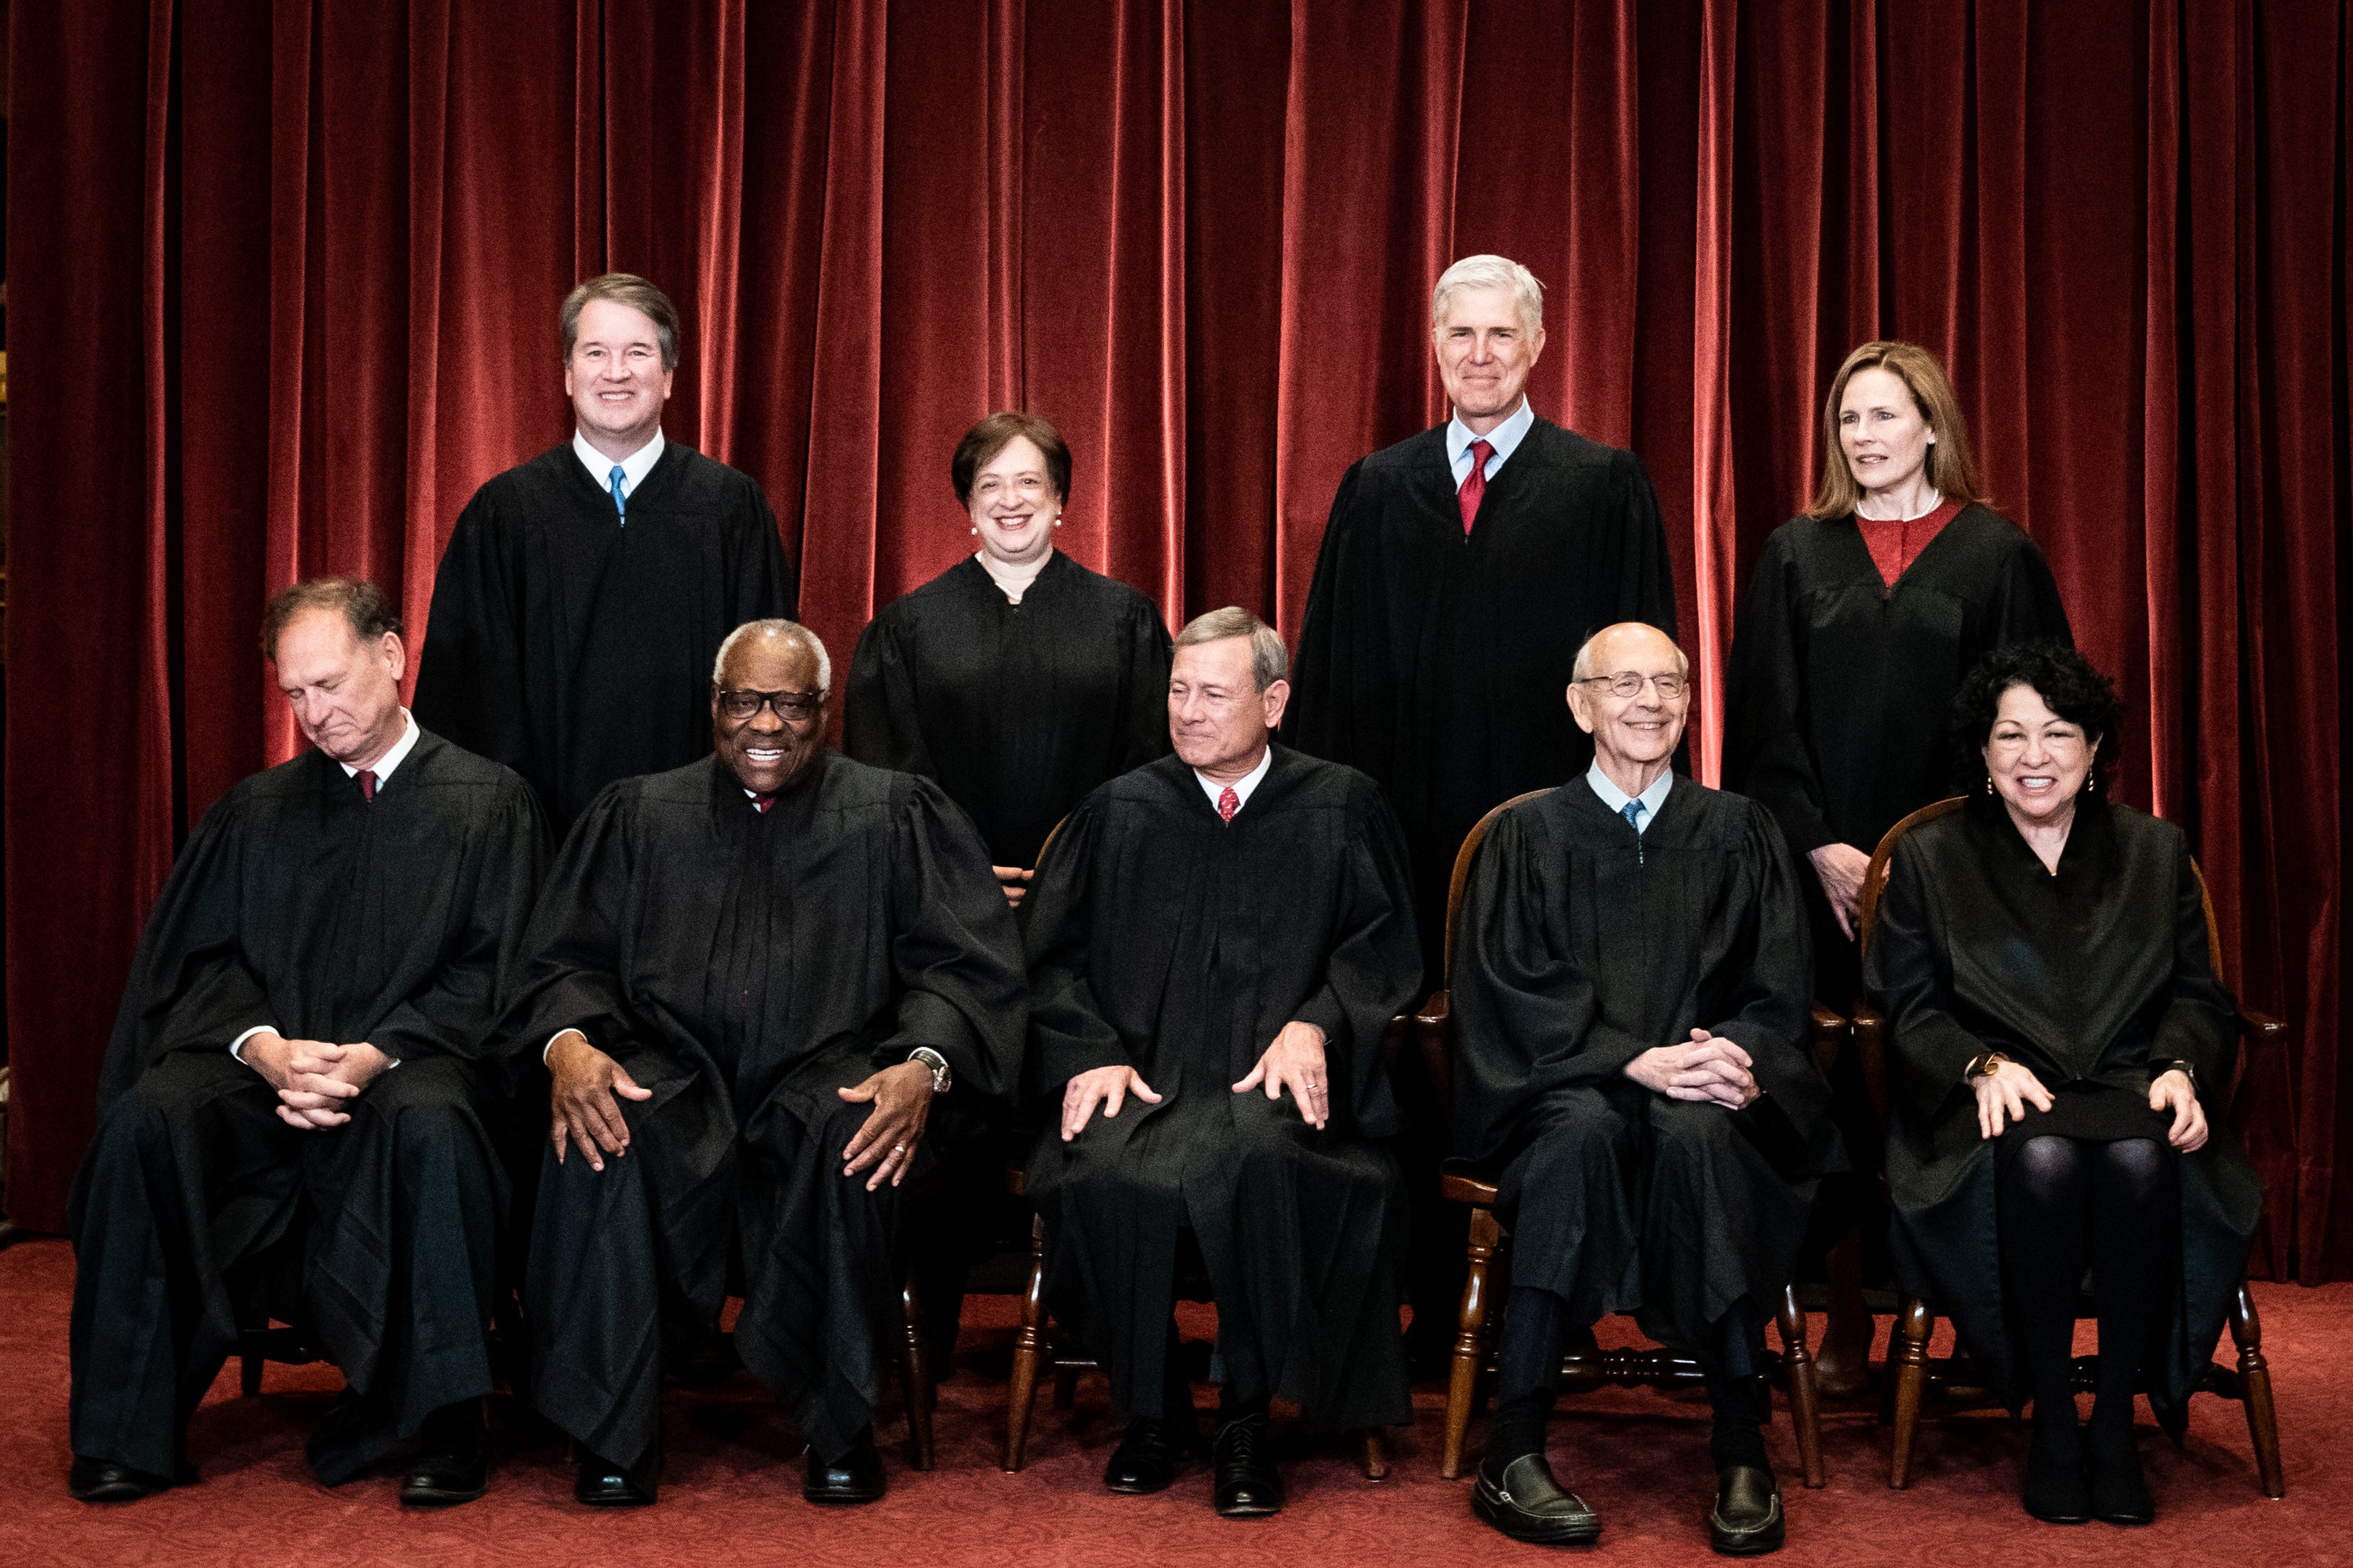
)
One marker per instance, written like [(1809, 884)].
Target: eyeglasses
[(1626, 683), (792, 706)]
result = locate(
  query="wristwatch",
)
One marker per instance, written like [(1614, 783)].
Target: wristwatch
[(1982, 1065), (943, 1079), (2184, 1069)]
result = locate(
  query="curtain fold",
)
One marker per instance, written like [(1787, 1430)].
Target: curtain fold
[(287, 275)]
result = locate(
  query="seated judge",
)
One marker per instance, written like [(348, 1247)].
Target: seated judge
[(1631, 1001), (754, 977), (2055, 1024), (1216, 944), (290, 1113)]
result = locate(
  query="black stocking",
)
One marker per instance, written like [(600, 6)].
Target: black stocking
[(2043, 1196), (2135, 1235)]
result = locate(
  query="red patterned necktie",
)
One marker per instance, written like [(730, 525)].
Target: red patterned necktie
[(1474, 487), (1229, 804), (367, 787)]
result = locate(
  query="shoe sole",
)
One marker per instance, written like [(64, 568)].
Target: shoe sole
[(1255, 1510), (1579, 1532), (840, 1500), (440, 1496), (118, 1491), (1139, 1491)]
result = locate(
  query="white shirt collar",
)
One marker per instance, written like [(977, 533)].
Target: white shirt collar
[(634, 468), (393, 758), (1615, 798), (1011, 581), (1241, 786), (1505, 439)]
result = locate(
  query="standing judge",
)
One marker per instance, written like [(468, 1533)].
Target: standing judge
[(1219, 941), (753, 976), (289, 1117), (583, 594), (1629, 995), (1460, 569)]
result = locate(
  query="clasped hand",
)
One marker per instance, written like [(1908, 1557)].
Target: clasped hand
[(1016, 882), (1707, 1067), (312, 1077)]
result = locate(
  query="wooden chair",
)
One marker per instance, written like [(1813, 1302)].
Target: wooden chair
[(1955, 1378), (1582, 1369)]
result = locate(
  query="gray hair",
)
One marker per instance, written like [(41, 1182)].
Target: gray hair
[(1270, 660), (1491, 272), (778, 628), (1583, 669)]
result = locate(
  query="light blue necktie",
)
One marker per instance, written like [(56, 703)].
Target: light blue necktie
[(1632, 812), (621, 496)]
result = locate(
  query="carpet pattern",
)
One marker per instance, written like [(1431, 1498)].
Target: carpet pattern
[(732, 1494)]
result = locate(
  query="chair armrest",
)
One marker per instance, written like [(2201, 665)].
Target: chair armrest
[(1871, 1054), (1829, 1032), (1435, 1026), (2264, 1036)]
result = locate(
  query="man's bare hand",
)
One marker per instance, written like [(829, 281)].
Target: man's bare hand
[(1842, 868), (1016, 882), (1108, 1086), (313, 1078), (1706, 1068), (902, 1097), (1295, 1061), (582, 1082), (2173, 1091)]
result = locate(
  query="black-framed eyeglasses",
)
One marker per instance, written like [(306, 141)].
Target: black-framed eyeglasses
[(1627, 683), (792, 706)]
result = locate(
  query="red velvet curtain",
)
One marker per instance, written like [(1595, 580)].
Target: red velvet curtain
[(285, 276)]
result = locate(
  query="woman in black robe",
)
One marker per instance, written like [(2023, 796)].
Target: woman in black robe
[(2041, 959)]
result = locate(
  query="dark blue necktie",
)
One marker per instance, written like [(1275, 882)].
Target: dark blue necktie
[(621, 496), (1632, 812)]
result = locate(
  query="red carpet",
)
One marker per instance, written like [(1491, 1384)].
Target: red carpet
[(733, 1497)]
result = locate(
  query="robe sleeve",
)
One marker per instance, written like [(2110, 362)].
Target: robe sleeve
[(881, 725), (1646, 584), (1770, 1009), (766, 585), (1527, 1015), (1912, 982), (2026, 606), (2202, 1019), (470, 676), (455, 1016), (1373, 971), (1068, 1032), (570, 974), (1344, 660), (190, 988), (954, 949), (1765, 756), (1145, 696)]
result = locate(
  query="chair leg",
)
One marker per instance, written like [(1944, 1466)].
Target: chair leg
[(1913, 1324), (1066, 1387), (1028, 1346), (2256, 1384), (248, 1373), (1805, 1402), (1843, 1368), (1470, 1339), (915, 1373), (1373, 1452)]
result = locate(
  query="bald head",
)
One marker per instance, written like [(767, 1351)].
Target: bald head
[(1634, 731)]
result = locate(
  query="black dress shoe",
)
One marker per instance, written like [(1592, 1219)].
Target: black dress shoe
[(856, 1477), (2056, 1491), (1147, 1458), (102, 1480), (1246, 1485), (2119, 1490), (1747, 1520), (603, 1484), (453, 1460), (1523, 1501)]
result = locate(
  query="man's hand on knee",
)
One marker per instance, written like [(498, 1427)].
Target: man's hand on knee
[(582, 1082), (1294, 1061), (1106, 1087), (901, 1098)]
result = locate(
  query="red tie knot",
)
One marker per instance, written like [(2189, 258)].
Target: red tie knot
[(367, 786), (1228, 802), (1475, 483), (760, 803)]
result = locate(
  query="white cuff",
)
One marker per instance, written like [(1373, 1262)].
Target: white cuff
[(553, 1039), (236, 1045)]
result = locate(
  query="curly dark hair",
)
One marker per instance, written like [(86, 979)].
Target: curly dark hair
[(2070, 685)]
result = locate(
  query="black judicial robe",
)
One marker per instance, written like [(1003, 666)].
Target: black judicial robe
[(1583, 945), (1840, 686), (2087, 978), (744, 966), (578, 651), (1017, 710), (297, 904), (1438, 662), (1162, 938)]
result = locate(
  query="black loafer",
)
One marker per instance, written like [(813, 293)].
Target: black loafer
[(2055, 1491), (1747, 1520), (856, 1477), (1246, 1485), (1147, 1459), (603, 1484), (102, 1480), (2119, 1491), (1525, 1501), (453, 1461)]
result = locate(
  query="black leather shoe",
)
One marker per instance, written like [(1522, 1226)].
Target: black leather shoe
[(102, 1480), (856, 1477), (2056, 1491), (1523, 1501), (2119, 1490), (1747, 1520), (603, 1484), (453, 1461), (1147, 1459), (1245, 1485)]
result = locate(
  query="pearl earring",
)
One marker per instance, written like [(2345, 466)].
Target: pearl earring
[(1989, 784)]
